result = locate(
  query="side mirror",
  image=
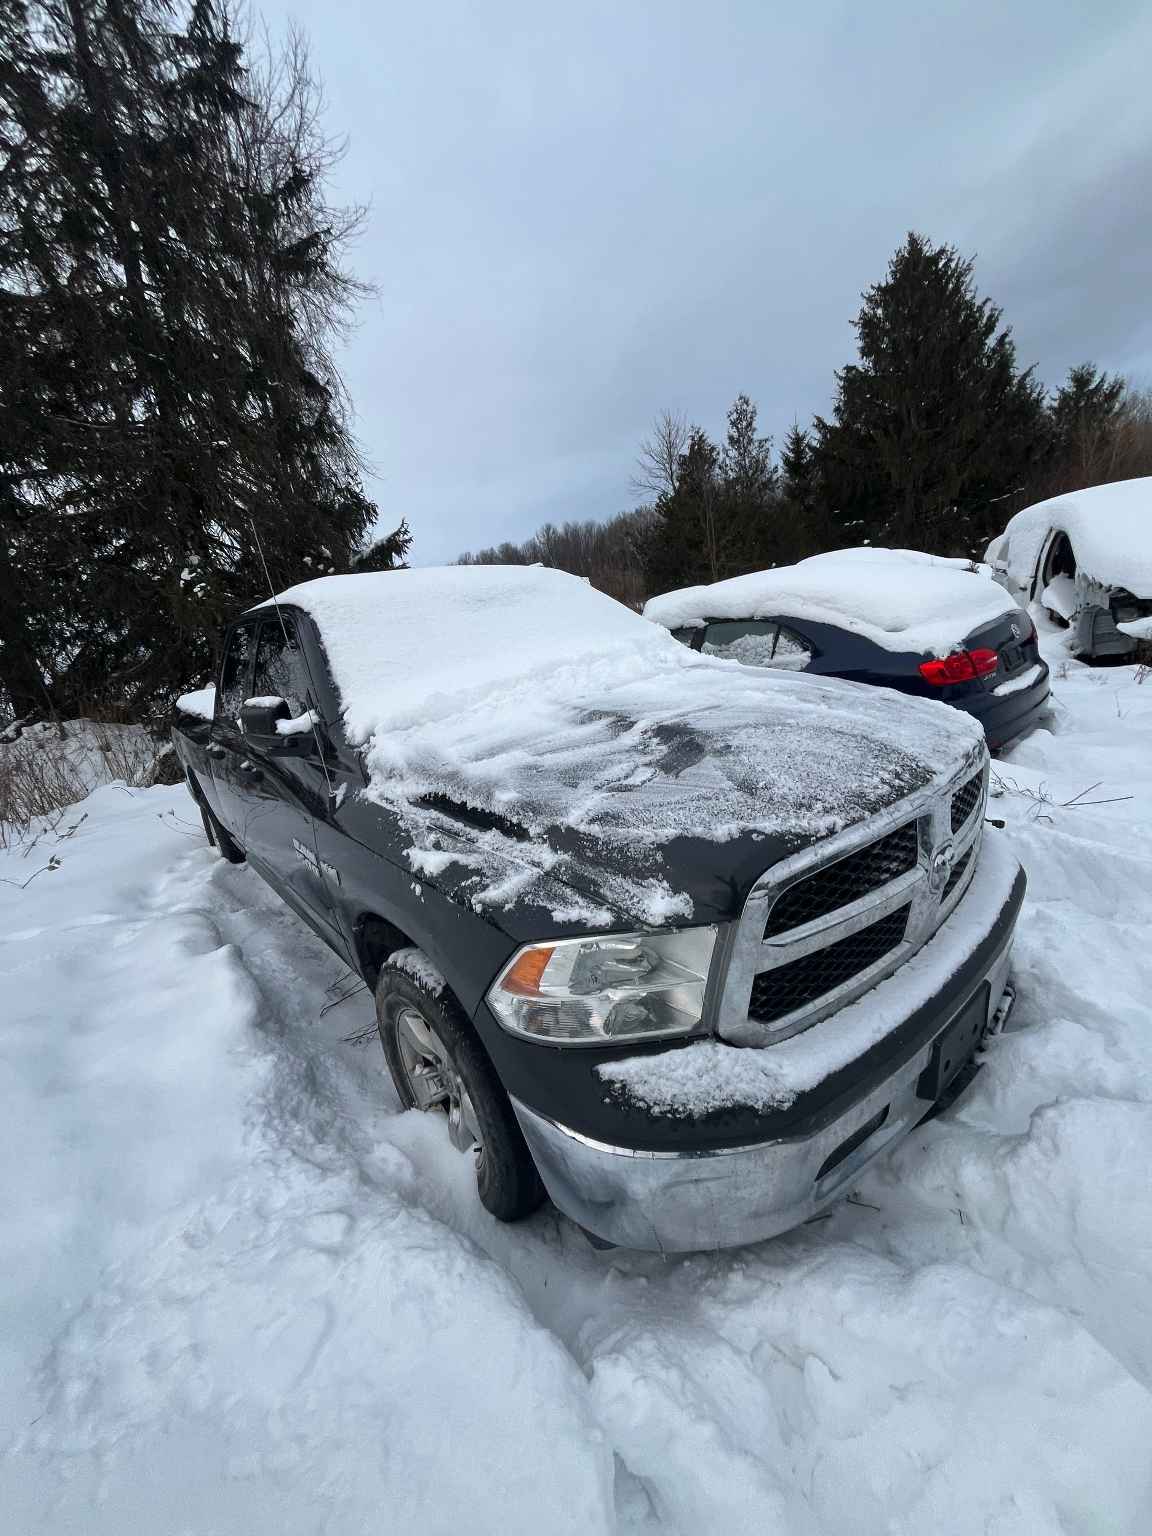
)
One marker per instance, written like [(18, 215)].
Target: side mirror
[(270, 724), (258, 718)]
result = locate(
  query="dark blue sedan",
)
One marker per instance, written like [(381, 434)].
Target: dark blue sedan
[(921, 624)]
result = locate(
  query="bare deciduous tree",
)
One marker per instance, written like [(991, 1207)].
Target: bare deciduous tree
[(658, 462)]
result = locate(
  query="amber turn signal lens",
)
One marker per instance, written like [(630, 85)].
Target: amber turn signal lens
[(523, 979)]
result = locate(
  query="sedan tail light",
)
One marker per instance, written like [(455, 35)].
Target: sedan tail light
[(960, 667)]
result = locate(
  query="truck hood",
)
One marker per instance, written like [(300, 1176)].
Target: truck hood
[(655, 801)]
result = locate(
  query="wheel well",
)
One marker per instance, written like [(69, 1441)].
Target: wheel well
[(1061, 559), (376, 939)]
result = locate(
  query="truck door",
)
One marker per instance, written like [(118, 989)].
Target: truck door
[(284, 790), (226, 751)]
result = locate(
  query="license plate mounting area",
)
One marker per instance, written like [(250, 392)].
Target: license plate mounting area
[(955, 1046)]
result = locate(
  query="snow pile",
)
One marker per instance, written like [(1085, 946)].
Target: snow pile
[(200, 704), (900, 599), (1060, 596), (231, 1312), (411, 648), (709, 1075), (822, 1386), (1029, 676), (588, 739), (249, 1296), (1110, 528), (299, 725), (415, 963)]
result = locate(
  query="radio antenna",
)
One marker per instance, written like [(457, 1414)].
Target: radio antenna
[(303, 656)]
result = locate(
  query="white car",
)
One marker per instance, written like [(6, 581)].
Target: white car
[(1087, 558)]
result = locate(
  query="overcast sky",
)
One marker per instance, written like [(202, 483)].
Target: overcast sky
[(581, 215)]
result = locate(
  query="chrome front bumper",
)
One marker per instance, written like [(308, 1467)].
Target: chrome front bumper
[(682, 1201)]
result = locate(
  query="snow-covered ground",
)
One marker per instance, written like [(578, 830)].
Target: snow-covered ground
[(244, 1294)]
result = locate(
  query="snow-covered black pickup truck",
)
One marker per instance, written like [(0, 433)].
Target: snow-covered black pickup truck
[(683, 943)]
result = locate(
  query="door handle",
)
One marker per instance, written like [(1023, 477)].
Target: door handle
[(216, 752), (250, 771)]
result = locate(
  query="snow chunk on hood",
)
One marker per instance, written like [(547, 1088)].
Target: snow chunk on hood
[(901, 599), (546, 738), (1110, 527)]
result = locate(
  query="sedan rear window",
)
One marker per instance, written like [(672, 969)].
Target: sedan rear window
[(757, 643)]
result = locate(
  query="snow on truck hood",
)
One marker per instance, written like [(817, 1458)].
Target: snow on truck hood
[(583, 739), (901, 599), (1110, 527)]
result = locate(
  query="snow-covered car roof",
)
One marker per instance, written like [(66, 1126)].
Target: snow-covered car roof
[(525, 694), (1110, 528), (901, 599)]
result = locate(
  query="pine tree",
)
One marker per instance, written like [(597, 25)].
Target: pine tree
[(169, 282), (797, 464), (389, 553), (746, 461), (1083, 417), (801, 509), (686, 543), (752, 537), (935, 425)]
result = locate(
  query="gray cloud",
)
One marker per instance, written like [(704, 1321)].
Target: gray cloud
[(579, 219)]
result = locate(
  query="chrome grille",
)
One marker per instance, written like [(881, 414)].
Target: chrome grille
[(827, 923), (788, 987), (959, 870), (966, 799), (846, 880)]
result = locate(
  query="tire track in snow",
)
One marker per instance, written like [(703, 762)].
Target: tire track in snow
[(300, 1346)]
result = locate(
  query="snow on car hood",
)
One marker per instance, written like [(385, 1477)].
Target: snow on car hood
[(547, 739), (1110, 527), (901, 599)]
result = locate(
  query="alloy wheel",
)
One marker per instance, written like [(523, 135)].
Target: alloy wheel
[(434, 1082)]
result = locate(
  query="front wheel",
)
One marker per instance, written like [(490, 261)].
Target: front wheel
[(438, 1065)]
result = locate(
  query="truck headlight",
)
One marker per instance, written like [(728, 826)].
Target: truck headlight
[(595, 991)]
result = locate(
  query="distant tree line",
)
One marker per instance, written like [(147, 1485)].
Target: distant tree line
[(608, 553), (935, 437), (171, 277)]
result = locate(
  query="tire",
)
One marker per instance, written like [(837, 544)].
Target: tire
[(428, 1042), (224, 843)]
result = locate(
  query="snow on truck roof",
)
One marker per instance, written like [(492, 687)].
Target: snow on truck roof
[(901, 599), (407, 647), (524, 693), (1110, 527)]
